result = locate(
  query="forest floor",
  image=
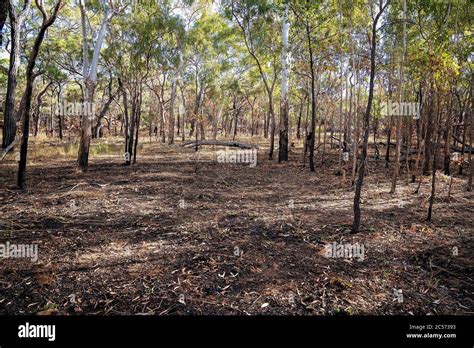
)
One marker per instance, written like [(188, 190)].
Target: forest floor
[(179, 233)]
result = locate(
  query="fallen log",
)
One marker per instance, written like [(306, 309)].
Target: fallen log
[(385, 144), (459, 149), (219, 143), (345, 146), (4, 152), (467, 149)]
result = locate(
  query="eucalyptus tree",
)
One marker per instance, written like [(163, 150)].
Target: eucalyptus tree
[(256, 19), (284, 108), (17, 15), (314, 24), (252, 92), (176, 39), (376, 10), (46, 22), (3, 17), (396, 169), (167, 64), (109, 95), (209, 47), (91, 53), (143, 46), (53, 75)]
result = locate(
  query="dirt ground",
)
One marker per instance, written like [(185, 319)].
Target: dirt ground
[(179, 233)]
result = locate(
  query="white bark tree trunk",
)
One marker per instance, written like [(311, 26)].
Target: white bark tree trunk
[(89, 81), (284, 119)]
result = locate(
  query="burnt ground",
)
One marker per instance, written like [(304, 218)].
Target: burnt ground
[(179, 233)]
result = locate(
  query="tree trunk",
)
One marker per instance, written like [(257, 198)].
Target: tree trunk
[(132, 125), (273, 125), (36, 112), (183, 101), (126, 122), (137, 120), (104, 110), (284, 108), (311, 135), (47, 22), (265, 124), (162, 122), (396, 169), (10, 119), (300, 115), (171, 112), (447, 139), (360, 178), (83, 154), (60, 119), (428, 135), (471, 134), (435, 158), (3, 17), (235, 118), (90, 79)]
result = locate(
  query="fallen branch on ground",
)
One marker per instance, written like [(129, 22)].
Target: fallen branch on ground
[(4, 152), (219, 143)]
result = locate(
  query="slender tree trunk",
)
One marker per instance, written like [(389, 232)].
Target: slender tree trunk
[(10, 118), (463, 145), (47, 22), (284, 108), (300, 114), (389, 136), (341, 116), (252, 123), (435, 158), (390, 119), (183, 133), (104, 110), (396, 169), (428, 135), (273, 125), (60, 119), (471, 135), (313, 100), (360, 178), (355, 147), (137, 120), (3, 17), (133, 122), (162, 122), (447, 139), (178, 122), (171, 112), (127, 122), (235, 118), (37, 109), (202, 127), (265, 125)]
